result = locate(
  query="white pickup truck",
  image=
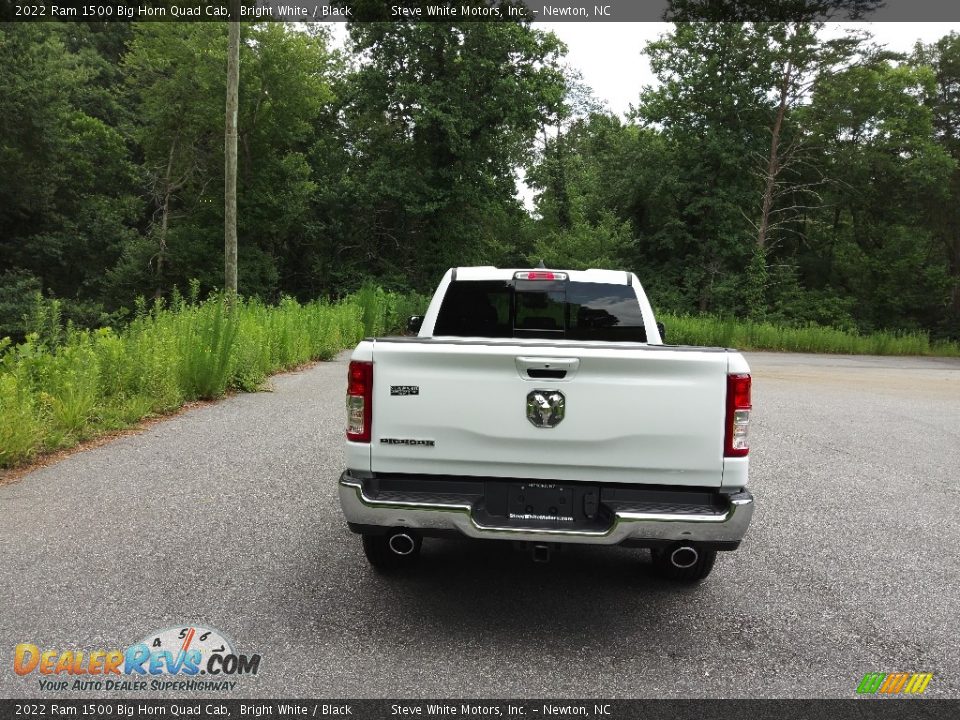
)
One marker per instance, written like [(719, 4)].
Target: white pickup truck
[(541, 406)]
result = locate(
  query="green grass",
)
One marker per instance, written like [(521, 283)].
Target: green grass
[(746, 335), (63, 386)]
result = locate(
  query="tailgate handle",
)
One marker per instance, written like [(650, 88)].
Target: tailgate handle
[(541, 373), (544, 368)]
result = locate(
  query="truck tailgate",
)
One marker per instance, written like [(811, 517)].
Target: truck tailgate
[(632, 414)]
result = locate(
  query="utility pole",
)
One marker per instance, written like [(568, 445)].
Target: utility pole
[(230, 153)]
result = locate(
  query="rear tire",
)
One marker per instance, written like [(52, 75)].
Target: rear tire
[(379, 555), (692, 574)]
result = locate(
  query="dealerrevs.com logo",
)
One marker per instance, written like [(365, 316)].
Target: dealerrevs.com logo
[(179, 658)]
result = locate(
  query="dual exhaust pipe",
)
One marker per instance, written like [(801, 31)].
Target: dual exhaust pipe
[(684, 557), (402, 543)]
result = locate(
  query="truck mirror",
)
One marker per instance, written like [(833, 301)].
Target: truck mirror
[(663, 332), (414, 323)]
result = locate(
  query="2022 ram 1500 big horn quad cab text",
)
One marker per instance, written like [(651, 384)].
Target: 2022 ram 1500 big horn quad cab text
[(542, 406)]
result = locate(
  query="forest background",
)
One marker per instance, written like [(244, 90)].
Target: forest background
[(772, 173)]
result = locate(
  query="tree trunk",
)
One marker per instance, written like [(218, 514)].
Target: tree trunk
[(165, 211), (953, 267), (230, 154), (170, 186), (757, 277), (773, 162)]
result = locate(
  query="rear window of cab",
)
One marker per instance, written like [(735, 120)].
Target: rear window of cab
[(541, 309)]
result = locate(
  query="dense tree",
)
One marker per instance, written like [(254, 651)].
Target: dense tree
[(778, 173), (712, 106), (943, 57), (439, 118), (68, 190), (772, 171), (872, 238), (175, 75), (230, 151), (585, 180)]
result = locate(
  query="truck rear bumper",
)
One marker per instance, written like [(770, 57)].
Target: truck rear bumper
[(662, 515)]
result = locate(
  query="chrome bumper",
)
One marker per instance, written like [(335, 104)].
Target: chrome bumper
[(629, 525)]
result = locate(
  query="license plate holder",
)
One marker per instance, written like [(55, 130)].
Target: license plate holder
[(542, 502)]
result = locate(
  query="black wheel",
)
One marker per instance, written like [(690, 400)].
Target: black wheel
[(392, 551), (683, 563)]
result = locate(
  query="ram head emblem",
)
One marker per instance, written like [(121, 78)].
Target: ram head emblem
[(546, 408)]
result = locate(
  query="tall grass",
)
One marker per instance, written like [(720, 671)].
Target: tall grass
[(62, 386), (746, 335), (386, 312)]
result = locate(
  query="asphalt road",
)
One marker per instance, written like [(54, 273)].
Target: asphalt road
[(227, 516)]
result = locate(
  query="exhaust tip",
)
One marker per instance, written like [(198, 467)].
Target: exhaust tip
[(684, 557), (401, 543)]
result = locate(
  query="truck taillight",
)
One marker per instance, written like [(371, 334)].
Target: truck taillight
[(359, 400), (735, 443)]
